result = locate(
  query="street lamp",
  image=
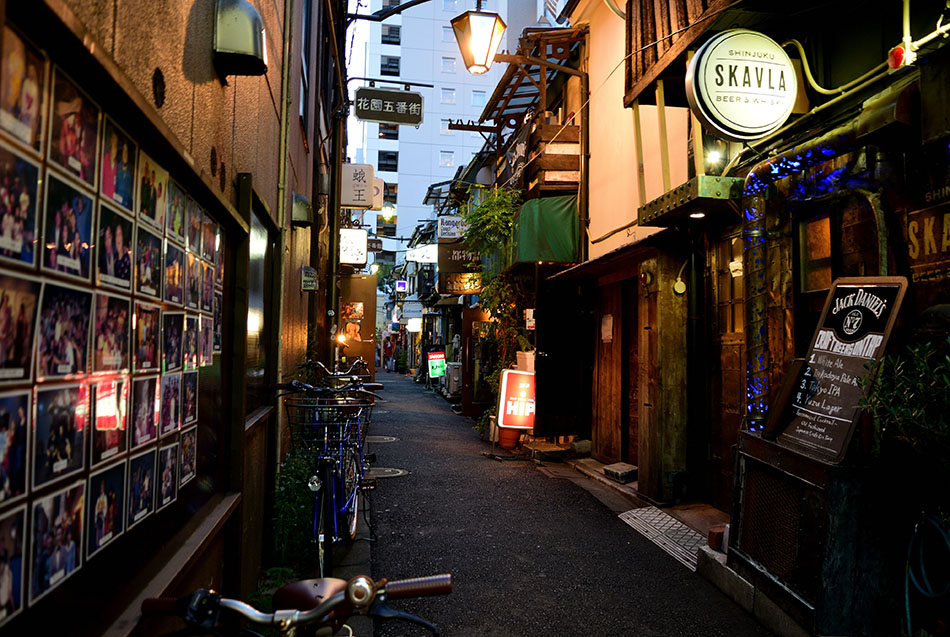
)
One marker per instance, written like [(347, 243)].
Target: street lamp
[(478, 34)]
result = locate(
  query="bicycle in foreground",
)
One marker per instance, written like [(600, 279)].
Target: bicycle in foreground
[(328, 429), (314, 607)]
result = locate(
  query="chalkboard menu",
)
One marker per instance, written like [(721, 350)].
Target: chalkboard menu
[(853, 330)]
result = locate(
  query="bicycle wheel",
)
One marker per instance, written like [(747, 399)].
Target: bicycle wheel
[(328, 516), (352, 472), (319, 526)]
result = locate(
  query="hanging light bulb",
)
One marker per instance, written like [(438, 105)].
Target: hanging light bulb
[(478, 34)]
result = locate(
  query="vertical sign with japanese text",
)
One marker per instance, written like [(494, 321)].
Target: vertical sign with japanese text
[(356, 186)]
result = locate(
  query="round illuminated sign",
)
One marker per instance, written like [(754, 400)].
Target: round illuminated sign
[(741, 84)]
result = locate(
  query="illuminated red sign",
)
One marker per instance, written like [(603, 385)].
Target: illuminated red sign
[(516, 400)]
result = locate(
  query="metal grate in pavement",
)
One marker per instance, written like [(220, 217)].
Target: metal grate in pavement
[(667, 532)]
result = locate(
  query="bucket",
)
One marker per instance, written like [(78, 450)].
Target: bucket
[(508, 437)]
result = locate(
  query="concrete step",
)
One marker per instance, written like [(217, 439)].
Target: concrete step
[(621, 472), (545, 451)]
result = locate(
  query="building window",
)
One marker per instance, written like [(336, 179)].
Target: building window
[(478, 98), (448, 5), (389, 65), (390, 34), (386, 225), (389, 131), (448, 65), (448, 96), (445, 130), (447, 158), (305, 36), (448, 34), (390, 192), (388, 161), (389, 4)]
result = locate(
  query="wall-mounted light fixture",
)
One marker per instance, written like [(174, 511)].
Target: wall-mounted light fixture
[(239, 46), (478, 34), (301, 212)]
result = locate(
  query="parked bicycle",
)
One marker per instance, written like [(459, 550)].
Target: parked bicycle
[(328, 428), (321, 606)]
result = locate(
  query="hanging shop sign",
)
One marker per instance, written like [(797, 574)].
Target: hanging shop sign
[(423, 254), (436, 364), (516, 406), (402, 286), (824, 403), (379, 186), (353, 246), (356, 186), (388, 106), (414, 325), (741, 84), (451, 227), (459, 283), (374, 245), (457, 257)]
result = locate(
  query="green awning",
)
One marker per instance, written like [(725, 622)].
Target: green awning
[(546, 230)]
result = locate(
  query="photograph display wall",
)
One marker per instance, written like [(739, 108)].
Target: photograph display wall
[(111, 302)]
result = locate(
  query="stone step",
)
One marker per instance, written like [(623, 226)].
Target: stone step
[(621, 472), (543, 450)]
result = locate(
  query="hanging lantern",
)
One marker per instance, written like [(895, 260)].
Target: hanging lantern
[(478, 34)]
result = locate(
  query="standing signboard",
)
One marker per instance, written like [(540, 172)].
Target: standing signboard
[(516, 405), (436, 364), (853, 330)]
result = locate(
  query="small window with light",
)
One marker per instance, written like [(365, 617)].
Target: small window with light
[(448, 65), (448, 96), (447, 158)]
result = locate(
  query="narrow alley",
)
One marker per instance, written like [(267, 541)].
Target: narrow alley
[(531, 552)]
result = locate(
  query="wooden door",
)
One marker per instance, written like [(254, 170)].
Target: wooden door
[(631, 379), (648, 452), (729, 396), (606, 432)]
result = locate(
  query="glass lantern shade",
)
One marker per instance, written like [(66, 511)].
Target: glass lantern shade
[(478, 34)]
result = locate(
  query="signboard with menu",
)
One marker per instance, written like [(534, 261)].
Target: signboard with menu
[(825, 399)]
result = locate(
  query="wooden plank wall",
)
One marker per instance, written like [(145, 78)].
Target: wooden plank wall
[(605, 441)]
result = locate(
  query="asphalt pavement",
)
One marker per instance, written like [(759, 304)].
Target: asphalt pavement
[(533, 549)]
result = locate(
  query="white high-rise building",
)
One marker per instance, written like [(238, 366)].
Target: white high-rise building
[(419, 46)]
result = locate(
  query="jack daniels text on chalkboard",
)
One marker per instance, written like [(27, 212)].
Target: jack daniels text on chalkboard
[(821, 409)]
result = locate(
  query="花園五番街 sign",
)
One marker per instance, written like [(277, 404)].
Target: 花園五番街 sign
[(388, 106), (853, 330), (516, 406), (741, 84)]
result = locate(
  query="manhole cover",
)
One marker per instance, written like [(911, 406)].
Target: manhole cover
[(386, 472), (381, 439)]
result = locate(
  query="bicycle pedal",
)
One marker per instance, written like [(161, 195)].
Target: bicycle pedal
[(370, 458), (368, 484)]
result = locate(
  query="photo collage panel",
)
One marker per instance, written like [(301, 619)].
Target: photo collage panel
[(111, 300)]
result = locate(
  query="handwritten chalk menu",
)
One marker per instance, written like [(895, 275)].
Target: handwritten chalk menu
[(853, 330)]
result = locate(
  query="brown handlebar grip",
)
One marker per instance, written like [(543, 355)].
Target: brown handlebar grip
[(420, 586), (159, 606)]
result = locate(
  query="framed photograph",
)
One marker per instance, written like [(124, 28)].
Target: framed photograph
[(18, 205), (56, 551), (194, 222), (23, 86), (109, 438), (209, 235), (59, 432), (190, 344), (148, 263), (19, 301), (219, 259), (174, 274), (64, 326), (187, 469), (110, 340), (352, 310), (114, 249), (106, 502), (189, 398), (167, 475), (15, 412), (145, 402), (67, 229), (207, 287), (217, 336), (12, 565), (117, 183), (206, 342), (153, 192), (192, 281), (173, 327), (147, 342), (74, 130), (141, 501), (170, 414), (175, 215)]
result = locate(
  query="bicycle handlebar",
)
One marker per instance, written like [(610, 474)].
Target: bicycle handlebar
[(201, 608)]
